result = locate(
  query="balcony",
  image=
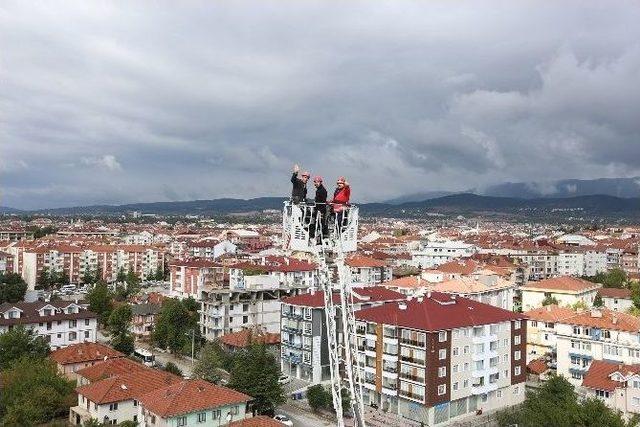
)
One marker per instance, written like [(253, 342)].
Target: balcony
[(390, 389), (486, 371), (411, 395), (412, 360), (291, 315), (414, 378), (414, 343), (478, 389), (484, 339)]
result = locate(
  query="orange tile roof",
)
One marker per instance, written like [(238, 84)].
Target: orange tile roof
[(128, 386), (566, 284), (598, 376), (110, 368), (406, 282), (359, 261), (606, 319), (550, 313), (189, 396), (83, 352), (537, 366), (620, 293), (245, 337), (259, 421), (460, 266)]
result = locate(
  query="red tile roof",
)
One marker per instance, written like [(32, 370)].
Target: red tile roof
[(620, 293), (245, 337), (259, 421), (359, 261), (189, 396), (459, 266), (550, 313), (128, 386), (366, 294), (110, 368), (83, 352), (606, 319), (437, 312), (564, 283), (537, 366), (598, 376)]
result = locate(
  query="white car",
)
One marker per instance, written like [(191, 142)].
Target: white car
[(284, 379), (283, 419)]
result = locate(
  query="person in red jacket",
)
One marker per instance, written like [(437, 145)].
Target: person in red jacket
[(340, 201)]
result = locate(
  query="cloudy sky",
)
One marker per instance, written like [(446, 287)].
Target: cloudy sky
[(155, 101)]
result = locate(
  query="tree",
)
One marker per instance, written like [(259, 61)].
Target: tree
[(209, 362), (556, 404), (64, 278), (614, 278), (33, 393), (122, 276), (88, 276), (21, 342), (597, 301), (100, 301), (175, 325), (346, 400), (118, 325), (12, 287), (319, 397), (44, 279), (173, 368), (255, 372), (549, 300)]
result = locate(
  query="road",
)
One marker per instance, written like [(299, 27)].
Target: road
[(184, 363), (302, 418)]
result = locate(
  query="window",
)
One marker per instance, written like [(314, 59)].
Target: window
[(135, 402), (456, 351), (534, 324), (516, 340), (73, 323), (455, 386), (182, 421), (442, 371), (465, 384), (442, 336), (442, 354), (484, 398), (517, 324), (215, 414), (73, 336), (113, 406), (86, 322), (602, 393), (635, 401), (442, 389), (516, 355), (466, 366), (465, 350), (86, 334), (454, 368), (234, 410), (202, 417), (517, 370), (505, 342), (499, 394), (516, 390)]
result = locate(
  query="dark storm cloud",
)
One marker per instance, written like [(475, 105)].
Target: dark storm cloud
[(112, 102)]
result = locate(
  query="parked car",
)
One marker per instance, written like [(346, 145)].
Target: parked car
[(284, 379), (283, 419)]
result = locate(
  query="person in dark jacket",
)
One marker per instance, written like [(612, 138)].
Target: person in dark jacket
[(321, 207), (299, 190)]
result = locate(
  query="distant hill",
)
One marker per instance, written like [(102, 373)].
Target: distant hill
[(417, 197), (4, 210), (617, 187)]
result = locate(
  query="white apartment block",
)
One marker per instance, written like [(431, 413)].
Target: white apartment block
[(566, 290), (60, 323), (433, 253)]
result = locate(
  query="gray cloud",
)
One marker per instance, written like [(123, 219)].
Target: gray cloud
[(108, 103)]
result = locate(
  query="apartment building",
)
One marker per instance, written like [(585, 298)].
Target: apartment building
[(629, 261), (303, 330), (616, 299), (187, 278), (571, 262), (440, 358), (77, 261), (252, 299), (541, 330), (115, 399), (6, 263), (60, 323), (75, 357), (367, 271), (616, 384), (210, 249), (566, 290), (192, 403), (541, 261), (433, 253), (596, 334)]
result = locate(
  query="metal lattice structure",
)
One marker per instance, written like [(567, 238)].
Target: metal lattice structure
[(329, 252)]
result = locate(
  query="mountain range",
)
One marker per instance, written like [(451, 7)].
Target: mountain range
[(520, 199)]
